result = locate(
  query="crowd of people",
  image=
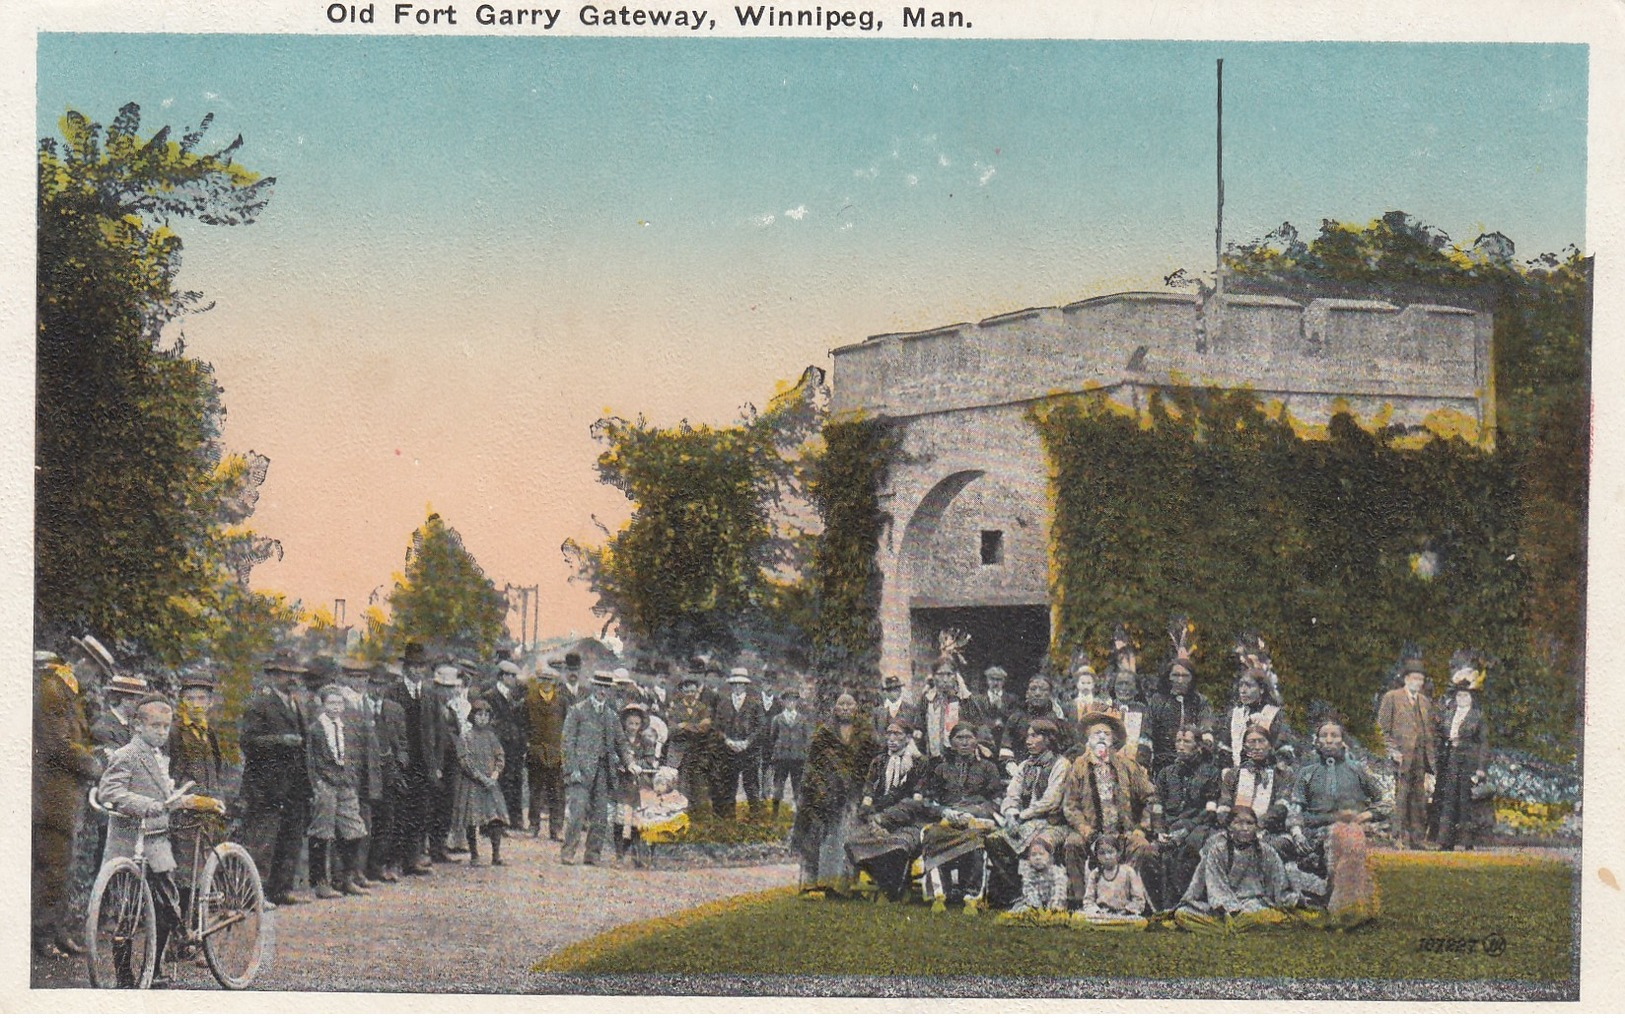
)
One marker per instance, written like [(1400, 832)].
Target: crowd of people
[(1115, 807), (1111, 803), (355, 773)]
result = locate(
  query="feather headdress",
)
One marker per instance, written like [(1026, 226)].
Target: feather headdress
[(1183, 635), (951, 644), (1125, 656), (1253, 655), (1250, 650)]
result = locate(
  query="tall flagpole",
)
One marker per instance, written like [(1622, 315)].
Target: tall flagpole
[(1218, 230)]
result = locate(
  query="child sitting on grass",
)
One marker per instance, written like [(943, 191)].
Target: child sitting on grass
[(1114, 896), (662, 813), (1043, 888)]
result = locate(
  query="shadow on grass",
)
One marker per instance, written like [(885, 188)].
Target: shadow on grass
[(1426, 900)]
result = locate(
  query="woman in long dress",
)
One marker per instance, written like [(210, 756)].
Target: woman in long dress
[(837, 762), (1462, 752)]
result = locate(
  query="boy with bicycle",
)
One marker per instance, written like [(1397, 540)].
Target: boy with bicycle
[(138, 792)]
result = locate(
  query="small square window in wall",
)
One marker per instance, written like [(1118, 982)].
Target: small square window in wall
[(992, 547)]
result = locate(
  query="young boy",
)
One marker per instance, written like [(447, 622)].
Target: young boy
[(791, 734), (138, 791), (334, 753)]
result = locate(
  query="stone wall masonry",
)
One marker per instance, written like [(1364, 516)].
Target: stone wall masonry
[(1418, 358), (971, 461), (959, 474)]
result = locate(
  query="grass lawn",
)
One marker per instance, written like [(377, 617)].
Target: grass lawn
[(1527, 901)]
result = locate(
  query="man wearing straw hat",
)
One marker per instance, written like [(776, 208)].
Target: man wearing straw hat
[(64, 767), (740, 723)]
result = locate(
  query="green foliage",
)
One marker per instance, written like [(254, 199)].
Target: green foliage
[(1215, 510), (1542, 350), (445, 597), (712, 555), (846, 579), (785, 936), (245, 628), (137, 510)]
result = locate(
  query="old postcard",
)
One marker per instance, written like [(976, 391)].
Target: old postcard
[(805, 501)]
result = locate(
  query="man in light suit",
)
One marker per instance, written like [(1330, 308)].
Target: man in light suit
[(359, 716), (593, 745), (1405, 719), (137, 789)]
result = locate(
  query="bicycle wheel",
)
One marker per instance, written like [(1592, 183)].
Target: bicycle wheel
[(232, 910), (121, 929)]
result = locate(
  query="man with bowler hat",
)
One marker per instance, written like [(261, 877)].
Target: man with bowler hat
[(276, 781), (511, 723), (420, 771)]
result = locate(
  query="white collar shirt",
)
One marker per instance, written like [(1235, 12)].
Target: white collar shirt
[(334, 728)]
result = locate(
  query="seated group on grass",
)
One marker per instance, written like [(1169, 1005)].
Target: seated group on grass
[(1231, 832)]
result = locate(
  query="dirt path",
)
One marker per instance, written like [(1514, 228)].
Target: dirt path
[(466, 929)]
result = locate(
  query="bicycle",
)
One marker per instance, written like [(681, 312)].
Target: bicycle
[(226, 916)]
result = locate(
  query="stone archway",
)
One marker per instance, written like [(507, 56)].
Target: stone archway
[(972, 555)]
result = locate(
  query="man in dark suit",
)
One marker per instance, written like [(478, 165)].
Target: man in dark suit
[(996, 705), (893, 706), (275, 787), (511, 722), (545, 706), (573, 689), (740, 724), (421, 770), (394, 753), (593, 745), (772, 707)]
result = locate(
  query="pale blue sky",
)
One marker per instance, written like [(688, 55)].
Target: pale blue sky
[(478, 245)]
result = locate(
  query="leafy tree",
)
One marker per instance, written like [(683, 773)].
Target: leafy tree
[(444, 596), (137, 508), (713, 554)]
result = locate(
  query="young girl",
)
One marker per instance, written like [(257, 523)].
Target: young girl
[(479, 803), (636, 774), (1114, 896)]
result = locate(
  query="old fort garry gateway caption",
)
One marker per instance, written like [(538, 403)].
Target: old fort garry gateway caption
[(594, 16)]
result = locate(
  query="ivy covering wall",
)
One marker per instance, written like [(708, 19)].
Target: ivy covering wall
[(1338, 549), (845, 489)]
